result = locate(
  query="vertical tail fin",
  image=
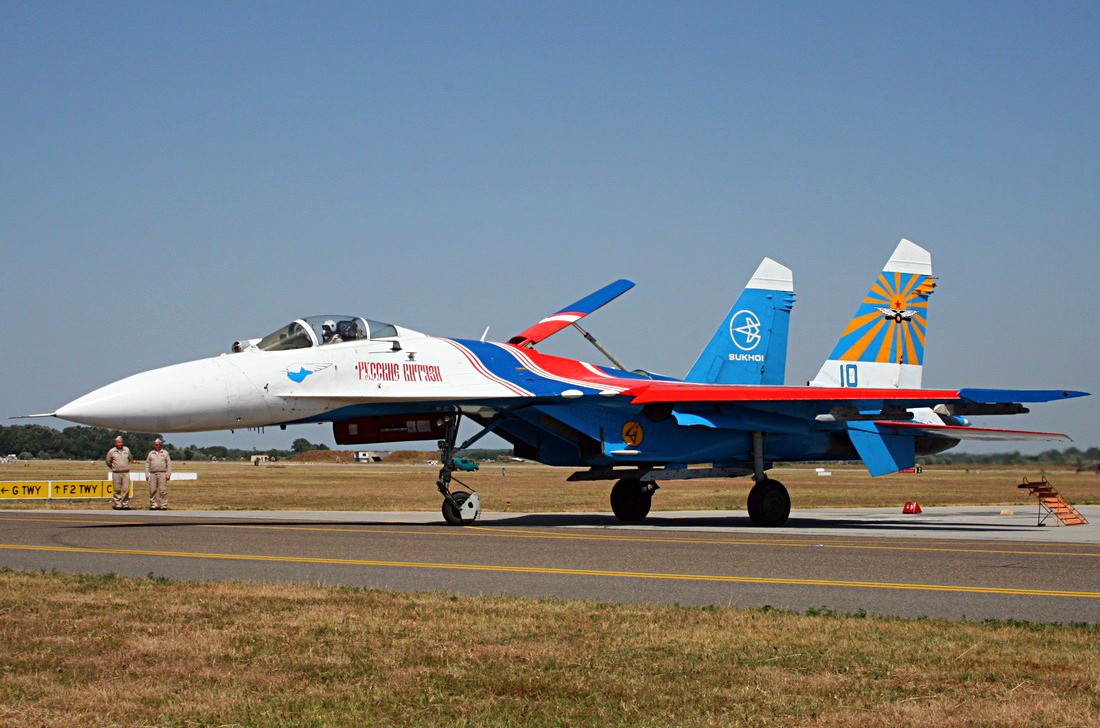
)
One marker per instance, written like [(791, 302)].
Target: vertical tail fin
[(883, 344), (750, 345)]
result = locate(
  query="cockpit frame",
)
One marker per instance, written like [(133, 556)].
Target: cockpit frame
[(314, 331)]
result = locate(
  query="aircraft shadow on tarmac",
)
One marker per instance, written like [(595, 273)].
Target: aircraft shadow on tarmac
[(739, 523), (742, 523)]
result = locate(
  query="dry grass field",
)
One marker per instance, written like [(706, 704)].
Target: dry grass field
[(83, 651), (97, 651), (541, 489)]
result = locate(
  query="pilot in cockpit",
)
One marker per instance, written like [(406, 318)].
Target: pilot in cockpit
[(329, 334), (348, 330)]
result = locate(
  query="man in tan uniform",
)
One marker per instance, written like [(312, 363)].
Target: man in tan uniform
[(118, 461), (158, 471)]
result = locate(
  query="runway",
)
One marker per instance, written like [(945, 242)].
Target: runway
[(946, 562)]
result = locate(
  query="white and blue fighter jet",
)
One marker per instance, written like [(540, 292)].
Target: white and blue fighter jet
[(730, 416)]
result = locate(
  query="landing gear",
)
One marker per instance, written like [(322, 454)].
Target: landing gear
[(460, 508), (769, 503), (466, 508), (631, 499)]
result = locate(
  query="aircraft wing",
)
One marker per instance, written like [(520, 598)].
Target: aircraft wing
[(885, 445), (682, 392), (570, 314)]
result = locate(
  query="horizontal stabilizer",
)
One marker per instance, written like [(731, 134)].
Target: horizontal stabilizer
[(958, 432), (570, 314), (1003, 396)]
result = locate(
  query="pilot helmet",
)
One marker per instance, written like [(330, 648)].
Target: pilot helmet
[(329, 325)]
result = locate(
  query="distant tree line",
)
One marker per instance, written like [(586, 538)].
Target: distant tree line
[(487, 455), (38, 442), (1070, 457)]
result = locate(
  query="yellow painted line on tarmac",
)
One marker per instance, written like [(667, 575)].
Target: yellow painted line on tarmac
[(717, 578), (493, 531), (787, 543), (518, 533)]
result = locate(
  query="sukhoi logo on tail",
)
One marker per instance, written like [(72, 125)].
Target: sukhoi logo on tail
[(745, 330)]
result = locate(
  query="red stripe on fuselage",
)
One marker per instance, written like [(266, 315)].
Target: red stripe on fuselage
[(568, 371)]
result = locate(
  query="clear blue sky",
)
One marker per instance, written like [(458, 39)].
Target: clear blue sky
[(174, 176)]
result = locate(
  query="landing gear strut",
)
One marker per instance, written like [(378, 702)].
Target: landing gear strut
[(462, 507), (631, 499), (769, 502)]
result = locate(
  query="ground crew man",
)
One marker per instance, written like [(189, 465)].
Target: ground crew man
[(118, 462), (158, 471)]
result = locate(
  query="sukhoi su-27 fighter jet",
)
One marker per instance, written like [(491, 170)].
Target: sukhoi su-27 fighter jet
[(730, 416)]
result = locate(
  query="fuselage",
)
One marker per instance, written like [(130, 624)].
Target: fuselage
[(552, 409)]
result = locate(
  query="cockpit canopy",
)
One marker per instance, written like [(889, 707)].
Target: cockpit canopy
[(312, 331)]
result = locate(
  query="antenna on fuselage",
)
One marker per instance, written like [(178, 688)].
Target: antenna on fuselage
[(484, 334)]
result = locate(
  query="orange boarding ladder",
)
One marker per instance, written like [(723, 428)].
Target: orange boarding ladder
[(1052, 503)]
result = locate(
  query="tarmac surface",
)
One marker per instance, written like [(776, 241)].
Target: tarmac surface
[(945, 562)]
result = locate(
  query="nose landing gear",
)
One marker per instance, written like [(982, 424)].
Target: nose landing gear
[(460, 508)]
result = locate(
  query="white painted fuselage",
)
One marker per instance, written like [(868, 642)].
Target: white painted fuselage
[(255, 388)]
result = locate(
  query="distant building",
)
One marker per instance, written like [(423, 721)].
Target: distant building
[(257, 459), (367, 456)]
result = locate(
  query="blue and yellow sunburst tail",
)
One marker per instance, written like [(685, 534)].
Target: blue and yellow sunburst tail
[(883, 344), (890, 324)]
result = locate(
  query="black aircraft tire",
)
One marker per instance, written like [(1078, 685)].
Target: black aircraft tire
[(450, 515), (769, 503), (629, 502)]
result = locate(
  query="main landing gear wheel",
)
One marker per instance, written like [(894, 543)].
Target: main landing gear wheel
[(631, 499), (469, 508), (769, 503)]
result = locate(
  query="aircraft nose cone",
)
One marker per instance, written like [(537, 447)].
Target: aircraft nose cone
[(187, 397)]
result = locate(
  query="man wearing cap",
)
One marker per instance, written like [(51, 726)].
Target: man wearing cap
[(158, 471), (118, 462)]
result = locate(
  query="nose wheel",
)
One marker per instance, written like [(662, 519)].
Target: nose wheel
[(462, 509)]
